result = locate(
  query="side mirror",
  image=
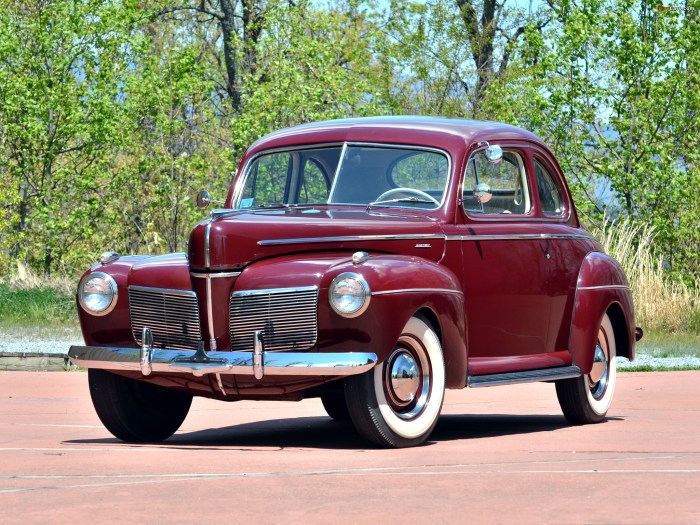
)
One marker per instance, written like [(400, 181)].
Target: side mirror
[(494, 154), (482, 192), (204, 199)]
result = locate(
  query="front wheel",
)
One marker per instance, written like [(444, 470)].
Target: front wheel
[(586, 399), (136, 411), (335, 406), (397, 404)]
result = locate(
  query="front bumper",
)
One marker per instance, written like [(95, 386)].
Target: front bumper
[(200, 363)]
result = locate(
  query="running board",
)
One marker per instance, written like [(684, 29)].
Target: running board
[(527, 376)]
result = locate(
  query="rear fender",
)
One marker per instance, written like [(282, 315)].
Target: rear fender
[(601, 288)]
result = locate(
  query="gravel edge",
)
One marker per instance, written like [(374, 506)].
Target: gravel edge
[(56, 349)]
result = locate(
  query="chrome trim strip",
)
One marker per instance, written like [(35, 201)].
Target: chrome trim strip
[(605, 287), (519, 237), (220, 383), (419, 290), (214, 275), (207, 233), (334, 182), (350, 238), (210, 316), (182, 361), (210, 308), (527, 376), (168, 291), (274, 290)]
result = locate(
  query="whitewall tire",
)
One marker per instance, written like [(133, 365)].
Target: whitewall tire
[(398, 403), (587, 399)]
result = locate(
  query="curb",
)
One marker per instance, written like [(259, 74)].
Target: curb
[(32, 362)]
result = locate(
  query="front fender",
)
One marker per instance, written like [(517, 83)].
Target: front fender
[(601, 287), (401, 287), (115, 327)]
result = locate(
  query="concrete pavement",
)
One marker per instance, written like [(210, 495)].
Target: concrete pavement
[(498, 455)]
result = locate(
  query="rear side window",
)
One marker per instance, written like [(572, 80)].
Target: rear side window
[(499, 188), (548, 191)]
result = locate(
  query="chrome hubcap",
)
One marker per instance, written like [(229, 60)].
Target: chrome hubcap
[(404, 378), (600, 364), (598, 378), (407, 378)]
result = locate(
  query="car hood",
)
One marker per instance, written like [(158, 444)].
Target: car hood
[(231, 240)]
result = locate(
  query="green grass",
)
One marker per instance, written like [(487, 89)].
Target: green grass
[(42, 306), (647, 368), (670, 345)]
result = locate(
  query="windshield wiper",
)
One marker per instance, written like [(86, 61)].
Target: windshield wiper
[(402, 199)]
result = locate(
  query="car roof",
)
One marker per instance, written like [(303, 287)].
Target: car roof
[(418, 130)]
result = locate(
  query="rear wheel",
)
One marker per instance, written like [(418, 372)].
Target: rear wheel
[(586, 399), (397, 404), (136, 411)]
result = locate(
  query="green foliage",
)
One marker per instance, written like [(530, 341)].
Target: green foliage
[(113, 113), (618, 102), (60, 70), (312, 65)]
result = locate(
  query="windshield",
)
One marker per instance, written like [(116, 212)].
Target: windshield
[(353, 174)]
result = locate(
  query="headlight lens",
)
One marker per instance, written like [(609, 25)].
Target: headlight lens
[(349, 294), (97, 293)]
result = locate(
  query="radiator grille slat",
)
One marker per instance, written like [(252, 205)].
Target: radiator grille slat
[(172, 316), (286, 317)]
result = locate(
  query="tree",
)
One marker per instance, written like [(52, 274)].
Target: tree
[(451, 53), (60, 70)]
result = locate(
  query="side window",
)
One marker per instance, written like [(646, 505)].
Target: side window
[(268, 181), (315, 184), (548, 191), (496, 188)]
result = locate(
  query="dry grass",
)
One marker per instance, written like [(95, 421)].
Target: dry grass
[(661, 304), (24, 278)]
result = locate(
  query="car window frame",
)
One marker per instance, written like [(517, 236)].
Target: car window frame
[(521, 151), (527, 150), (545, 158)]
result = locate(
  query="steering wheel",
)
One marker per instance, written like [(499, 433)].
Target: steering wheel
[(419, 193)]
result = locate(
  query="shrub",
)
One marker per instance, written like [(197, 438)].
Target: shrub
[(661, 303)]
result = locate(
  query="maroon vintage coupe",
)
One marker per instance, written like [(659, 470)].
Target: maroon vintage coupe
[(372, 263)]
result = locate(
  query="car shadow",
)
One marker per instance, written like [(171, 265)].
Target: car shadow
[(324, 433)]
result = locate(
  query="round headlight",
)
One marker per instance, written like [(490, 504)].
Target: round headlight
[(349, 294), (97, 293)]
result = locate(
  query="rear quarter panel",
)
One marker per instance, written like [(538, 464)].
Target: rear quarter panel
[(602, 287)]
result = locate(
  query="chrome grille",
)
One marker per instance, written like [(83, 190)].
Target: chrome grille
[(172, 316), (286, 317)]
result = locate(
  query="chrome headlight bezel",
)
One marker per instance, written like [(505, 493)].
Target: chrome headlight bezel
[(361, 293), (109, 284)]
